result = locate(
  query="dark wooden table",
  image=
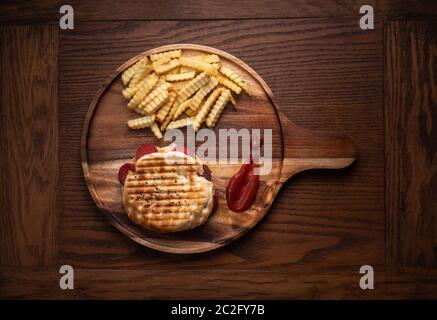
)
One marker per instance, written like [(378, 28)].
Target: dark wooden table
[(379, 86)]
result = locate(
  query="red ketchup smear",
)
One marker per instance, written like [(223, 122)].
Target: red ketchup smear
[(145, 149), (242, 188), (124, 170)]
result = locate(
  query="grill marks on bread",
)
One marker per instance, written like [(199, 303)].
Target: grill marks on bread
[(166, 193)]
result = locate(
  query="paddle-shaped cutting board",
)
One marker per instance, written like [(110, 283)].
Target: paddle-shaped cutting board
[(107, 143)]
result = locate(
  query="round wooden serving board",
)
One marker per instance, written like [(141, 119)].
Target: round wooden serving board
[(107, 143)]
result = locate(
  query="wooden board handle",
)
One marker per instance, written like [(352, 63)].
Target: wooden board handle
[(305, 149)]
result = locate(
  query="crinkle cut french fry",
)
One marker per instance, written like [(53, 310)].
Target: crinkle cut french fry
[(176, 70), (190, 112), (191, 108), (199, 97), (142, 122), (173, 54), (140, 111), (233, 102), (163, 68), (155, 92), (180, 123), (180, 76), (141, 73), (208, 58), (216, 111), (127, 75), (145, 87), (203, 92), (216, 65), (198, 65), (155, 130), (177, 86), (168, 118), (228, 84), (161, 81), (204, 109), (129, 92), (156, 103), (189, 89), (183, 94), (181, 108), (235, 78), (186, 69), (162, 113), (161, 60)]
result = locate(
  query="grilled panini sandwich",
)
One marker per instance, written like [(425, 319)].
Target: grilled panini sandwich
[(166, 192)]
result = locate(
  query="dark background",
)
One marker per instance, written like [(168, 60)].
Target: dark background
[(379, 86)]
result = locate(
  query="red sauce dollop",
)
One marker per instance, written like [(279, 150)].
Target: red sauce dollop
[(145, 149), (124, 170), (242, 188)]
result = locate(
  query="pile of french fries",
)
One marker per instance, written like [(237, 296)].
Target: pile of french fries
[(171, 91)]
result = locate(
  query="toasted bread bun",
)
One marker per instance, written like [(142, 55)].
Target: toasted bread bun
[(166, 192)]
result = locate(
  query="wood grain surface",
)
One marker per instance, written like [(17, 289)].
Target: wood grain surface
[(212, 284), (29, 145), (326, 74), (106, 143), (411, 143), (110, 10), (337, 218)]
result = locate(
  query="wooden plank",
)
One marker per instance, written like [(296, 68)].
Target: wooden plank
[(29, 144), (109, 10), (411, 143), (326, 75), (212, 284)]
